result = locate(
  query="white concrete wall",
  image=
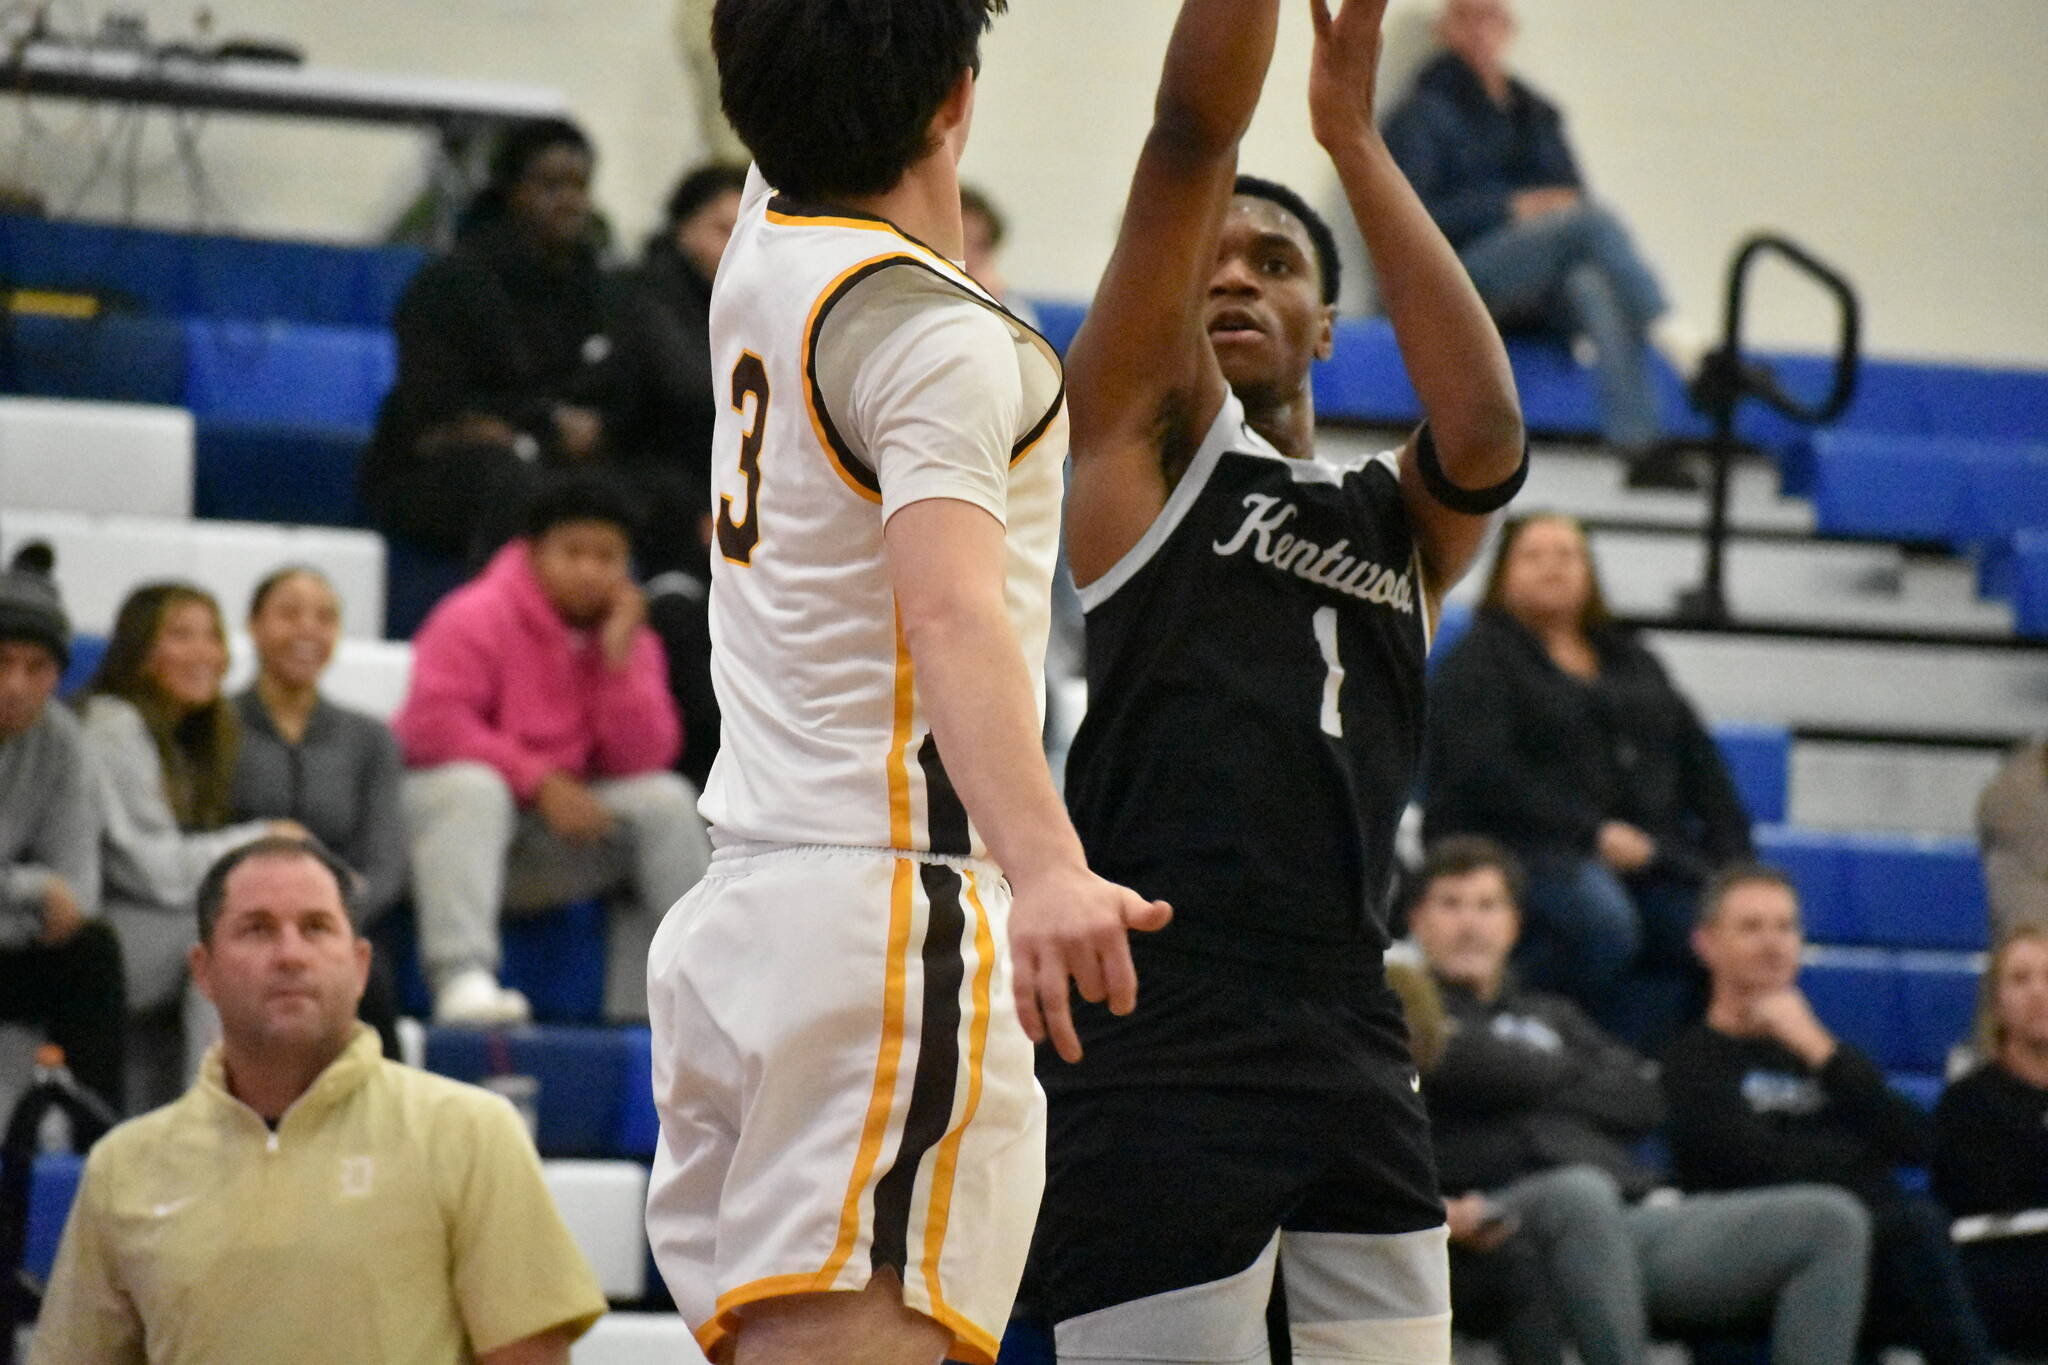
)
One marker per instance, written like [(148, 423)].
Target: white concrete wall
[(1904, 139)]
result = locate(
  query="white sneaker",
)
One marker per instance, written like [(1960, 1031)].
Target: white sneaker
[(475, 998)]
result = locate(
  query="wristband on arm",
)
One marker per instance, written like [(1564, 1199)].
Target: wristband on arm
[(1473, 502)]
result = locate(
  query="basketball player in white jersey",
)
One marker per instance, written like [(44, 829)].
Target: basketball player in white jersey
[(852, 1141)]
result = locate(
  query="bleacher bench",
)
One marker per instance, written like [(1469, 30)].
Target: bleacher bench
[(128, 459)]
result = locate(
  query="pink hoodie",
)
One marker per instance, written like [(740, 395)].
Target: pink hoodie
[(499, 677)]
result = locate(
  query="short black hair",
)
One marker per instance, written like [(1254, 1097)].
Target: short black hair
[(579, 499), (700, 185), (213, 887), (514, 151), (1460, 855), (974, 201), (1743, 873), (835, 98), (1328, 264)]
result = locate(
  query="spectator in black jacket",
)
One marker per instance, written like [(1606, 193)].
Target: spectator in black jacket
[(1488, 156), (667, 396), (1991, 1146), (1536, 1114), (1761, 1093), (1552, 730), (501, 354)]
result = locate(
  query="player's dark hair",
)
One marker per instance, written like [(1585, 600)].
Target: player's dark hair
[(213, 888), (1328, 265), (579, 499), (1460, 855), (835, 98)]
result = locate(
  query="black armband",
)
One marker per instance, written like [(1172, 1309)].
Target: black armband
[(1473, 502)]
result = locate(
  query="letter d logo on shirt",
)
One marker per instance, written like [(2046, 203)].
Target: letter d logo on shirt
[(357, 1175)]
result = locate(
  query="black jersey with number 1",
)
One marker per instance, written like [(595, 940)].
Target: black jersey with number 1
[(1255, 704)]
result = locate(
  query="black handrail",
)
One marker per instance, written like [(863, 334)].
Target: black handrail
[(1726, 378)]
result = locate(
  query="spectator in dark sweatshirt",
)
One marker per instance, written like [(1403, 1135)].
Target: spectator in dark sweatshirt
[(1762, 1093), (1555, 732), (60, 964), (1991, 1147), (1536, 1114)]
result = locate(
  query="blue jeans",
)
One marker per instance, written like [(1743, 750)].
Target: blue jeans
[(1577, 271), (1620, 948)]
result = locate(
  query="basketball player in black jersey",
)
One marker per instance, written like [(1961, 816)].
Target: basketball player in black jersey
[(1258, 615)]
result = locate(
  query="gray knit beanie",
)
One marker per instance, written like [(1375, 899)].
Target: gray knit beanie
[(29, 606)]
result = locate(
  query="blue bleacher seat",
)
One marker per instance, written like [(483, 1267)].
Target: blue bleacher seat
[(1817, 863), (639, 1125), (581, 1072), (268, 471), (1363, 380), (557, 959), (1856, 992), (1902, 398), (53, 1184), (1451, 626), (415, 578), (1913, 892), (282, 372), (1058, 320), (1759, 759), (1922, 1087), (86, 652), (1888, 487), (113, 357), (2030, 583), (1938, 1001)]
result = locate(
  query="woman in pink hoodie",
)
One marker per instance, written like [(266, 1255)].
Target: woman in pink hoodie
[(539, 729)]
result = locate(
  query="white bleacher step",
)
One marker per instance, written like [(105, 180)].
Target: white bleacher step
[(365, 675), (101, 559), (1910, 788), (637, 1339), (1872, 688), (605, 1205), (129, 459)]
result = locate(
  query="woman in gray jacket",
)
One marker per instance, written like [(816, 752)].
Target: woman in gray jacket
[(164, 741)]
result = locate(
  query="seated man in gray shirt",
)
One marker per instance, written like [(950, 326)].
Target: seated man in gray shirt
[(60, 967), (1535, 1113)]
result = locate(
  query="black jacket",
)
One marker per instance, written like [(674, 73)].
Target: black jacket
[(1748, 1112), (1467, 156), (667, 402), (1991, 1144), (494, 329), (1527, 1083), (1520, 750)]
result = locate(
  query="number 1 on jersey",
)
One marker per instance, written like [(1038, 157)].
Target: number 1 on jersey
[(1333, 679), (737, 536)]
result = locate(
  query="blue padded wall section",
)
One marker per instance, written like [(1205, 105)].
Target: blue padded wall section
[(113, 358), (271, 471), (1855, 991), (1818, 865), (1918, 892), (581, 1072)]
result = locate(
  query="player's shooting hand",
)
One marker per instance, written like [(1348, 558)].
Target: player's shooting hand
[(1344, 69), (1071, 925)]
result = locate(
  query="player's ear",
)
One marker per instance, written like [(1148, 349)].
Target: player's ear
[(956, 113), (1326, 333)]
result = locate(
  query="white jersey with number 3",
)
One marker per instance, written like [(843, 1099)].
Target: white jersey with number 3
[(858, 371)]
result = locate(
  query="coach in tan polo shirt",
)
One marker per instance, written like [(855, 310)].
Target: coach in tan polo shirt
[(307, 1201)]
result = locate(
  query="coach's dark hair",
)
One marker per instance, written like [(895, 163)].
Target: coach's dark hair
[(1460, 855), (213, 888), (1328, 265), (835, 98), (1739, 874)]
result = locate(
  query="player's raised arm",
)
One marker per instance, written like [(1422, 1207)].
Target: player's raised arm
[(1141, 375), (1449, 344)]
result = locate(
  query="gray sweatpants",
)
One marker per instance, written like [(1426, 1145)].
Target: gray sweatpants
[(474, 852), (1794, 1256)]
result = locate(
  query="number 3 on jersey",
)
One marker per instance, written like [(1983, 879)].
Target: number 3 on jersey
[(737, 536)]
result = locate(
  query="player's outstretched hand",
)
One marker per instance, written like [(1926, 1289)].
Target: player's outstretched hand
[(1072, 925), (1345, 67)]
